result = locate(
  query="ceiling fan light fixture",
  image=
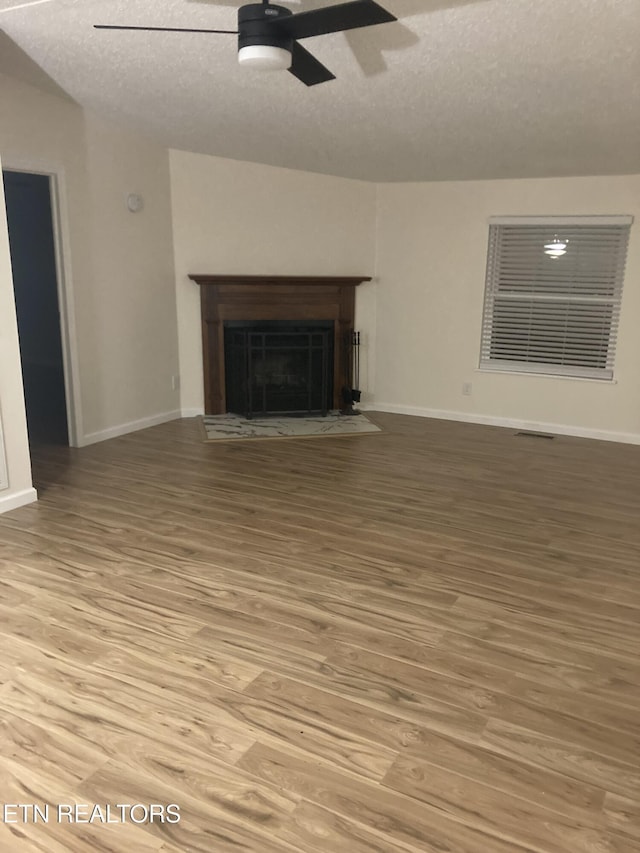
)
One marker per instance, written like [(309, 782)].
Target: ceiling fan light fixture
[(556, 247), (269, 35), (264, 57)]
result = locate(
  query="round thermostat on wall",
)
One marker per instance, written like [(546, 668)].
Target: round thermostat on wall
[(135, 202)]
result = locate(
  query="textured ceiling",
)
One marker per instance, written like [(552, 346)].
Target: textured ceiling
[(456, 89)]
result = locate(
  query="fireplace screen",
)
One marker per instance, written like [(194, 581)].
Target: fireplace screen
[(279, 367)]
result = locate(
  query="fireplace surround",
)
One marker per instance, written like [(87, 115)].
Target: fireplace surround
[(232, 299)]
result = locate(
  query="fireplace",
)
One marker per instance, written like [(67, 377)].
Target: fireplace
[(313, 305), (279, 367)]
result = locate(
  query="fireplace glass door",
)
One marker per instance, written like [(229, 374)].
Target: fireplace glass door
[(279, 368)]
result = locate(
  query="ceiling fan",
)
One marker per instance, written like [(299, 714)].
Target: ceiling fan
[(268, 34)]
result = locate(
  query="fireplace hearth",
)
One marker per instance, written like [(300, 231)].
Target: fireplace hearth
[(278, 367)]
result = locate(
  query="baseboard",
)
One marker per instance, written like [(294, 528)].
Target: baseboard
[(512, 423), (132, 426), (18, 499), (191, 413)]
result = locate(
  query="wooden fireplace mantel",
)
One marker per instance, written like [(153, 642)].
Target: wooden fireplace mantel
[(270, 297), (344, 281)]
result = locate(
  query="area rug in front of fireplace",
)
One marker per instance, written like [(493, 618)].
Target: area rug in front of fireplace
[(233, 427)]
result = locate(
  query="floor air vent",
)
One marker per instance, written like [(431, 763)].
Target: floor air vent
[(536, 434)]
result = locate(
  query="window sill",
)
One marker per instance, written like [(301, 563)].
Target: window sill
[(490, 370)]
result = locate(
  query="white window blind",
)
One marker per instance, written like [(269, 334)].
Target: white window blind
[(559, 313)]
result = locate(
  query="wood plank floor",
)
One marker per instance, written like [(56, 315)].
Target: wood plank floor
[(425, 640)]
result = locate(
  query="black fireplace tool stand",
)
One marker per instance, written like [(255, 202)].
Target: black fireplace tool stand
[(350, 390)]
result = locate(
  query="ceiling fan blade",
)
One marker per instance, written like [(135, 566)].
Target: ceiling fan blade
[(307, 68), (161, 29), (334, 19)]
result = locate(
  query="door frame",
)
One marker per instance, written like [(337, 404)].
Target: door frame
[(66, 304)]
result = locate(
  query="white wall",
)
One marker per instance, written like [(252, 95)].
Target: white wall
[(15, 464), (431, 249), (118, 266), (245, 218), (128, 310)]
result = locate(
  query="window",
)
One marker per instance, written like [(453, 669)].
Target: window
[(553, 292)]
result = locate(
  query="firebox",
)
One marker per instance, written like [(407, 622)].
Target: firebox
[(279, 367)]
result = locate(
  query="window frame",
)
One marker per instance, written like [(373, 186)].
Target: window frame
[(492, 294)]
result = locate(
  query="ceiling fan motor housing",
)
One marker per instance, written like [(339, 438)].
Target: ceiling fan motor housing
[(255, 26)]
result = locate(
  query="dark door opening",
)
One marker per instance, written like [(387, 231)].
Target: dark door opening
[(35, 280), (279, 367)]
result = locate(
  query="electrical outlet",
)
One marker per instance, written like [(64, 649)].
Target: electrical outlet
[(175, 383), (466, 389)]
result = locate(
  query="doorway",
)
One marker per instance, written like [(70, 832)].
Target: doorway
[(32, 245)]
